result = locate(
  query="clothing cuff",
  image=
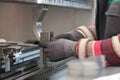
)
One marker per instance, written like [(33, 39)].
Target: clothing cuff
[(116, 45), (83, 48), (85, 31)]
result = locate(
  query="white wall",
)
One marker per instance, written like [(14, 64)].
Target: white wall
[(17, 20), (62, 19)]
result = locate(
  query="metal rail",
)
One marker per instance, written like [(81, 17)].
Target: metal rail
[(54, 67)]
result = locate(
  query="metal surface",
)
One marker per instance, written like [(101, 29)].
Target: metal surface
[(60, 70), (104, 72), (51, 69), (38, 28), (16, 59), (80, 4), (42, 13), (20, 1)]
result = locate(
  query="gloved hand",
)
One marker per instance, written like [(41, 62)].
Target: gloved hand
[(73, 35), (36, 42), (60, 49)]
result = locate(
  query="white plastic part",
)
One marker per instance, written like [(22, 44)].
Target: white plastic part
[(89, 65), (81, 69), (90, 68), (74, 68)]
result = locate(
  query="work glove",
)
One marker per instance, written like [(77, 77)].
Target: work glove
[(73, 35), (60, 49), (40, 44)]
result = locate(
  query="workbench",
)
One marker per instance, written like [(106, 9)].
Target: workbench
[(60, 70), (63, 72), (105, 72)]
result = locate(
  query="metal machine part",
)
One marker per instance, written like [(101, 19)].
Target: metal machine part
[(48, 68), (16, 60), (19, 61), (79, 4), (38, 28), (46, 37), (51, 69)]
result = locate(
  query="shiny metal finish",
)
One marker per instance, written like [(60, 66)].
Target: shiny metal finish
[(16, 59), (80, 4), (38, 28), (28, 1)]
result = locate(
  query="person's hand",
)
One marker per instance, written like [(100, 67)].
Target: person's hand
[(65, 36), (73, 35), (60, 49)]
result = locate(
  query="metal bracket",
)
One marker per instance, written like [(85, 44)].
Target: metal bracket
[(38, 28), (41, 17), (42, 13)]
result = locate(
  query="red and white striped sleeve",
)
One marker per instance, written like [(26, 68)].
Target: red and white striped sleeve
[(108, 47), (87, 32)]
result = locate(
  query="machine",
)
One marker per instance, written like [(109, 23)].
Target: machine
[(21, 61), (18, 59)]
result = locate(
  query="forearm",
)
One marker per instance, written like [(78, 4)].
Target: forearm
[(80, 32), (108, 47), (87, 32)]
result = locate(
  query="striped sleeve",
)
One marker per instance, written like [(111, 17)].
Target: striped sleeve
[(87, 32), (108, 47)]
